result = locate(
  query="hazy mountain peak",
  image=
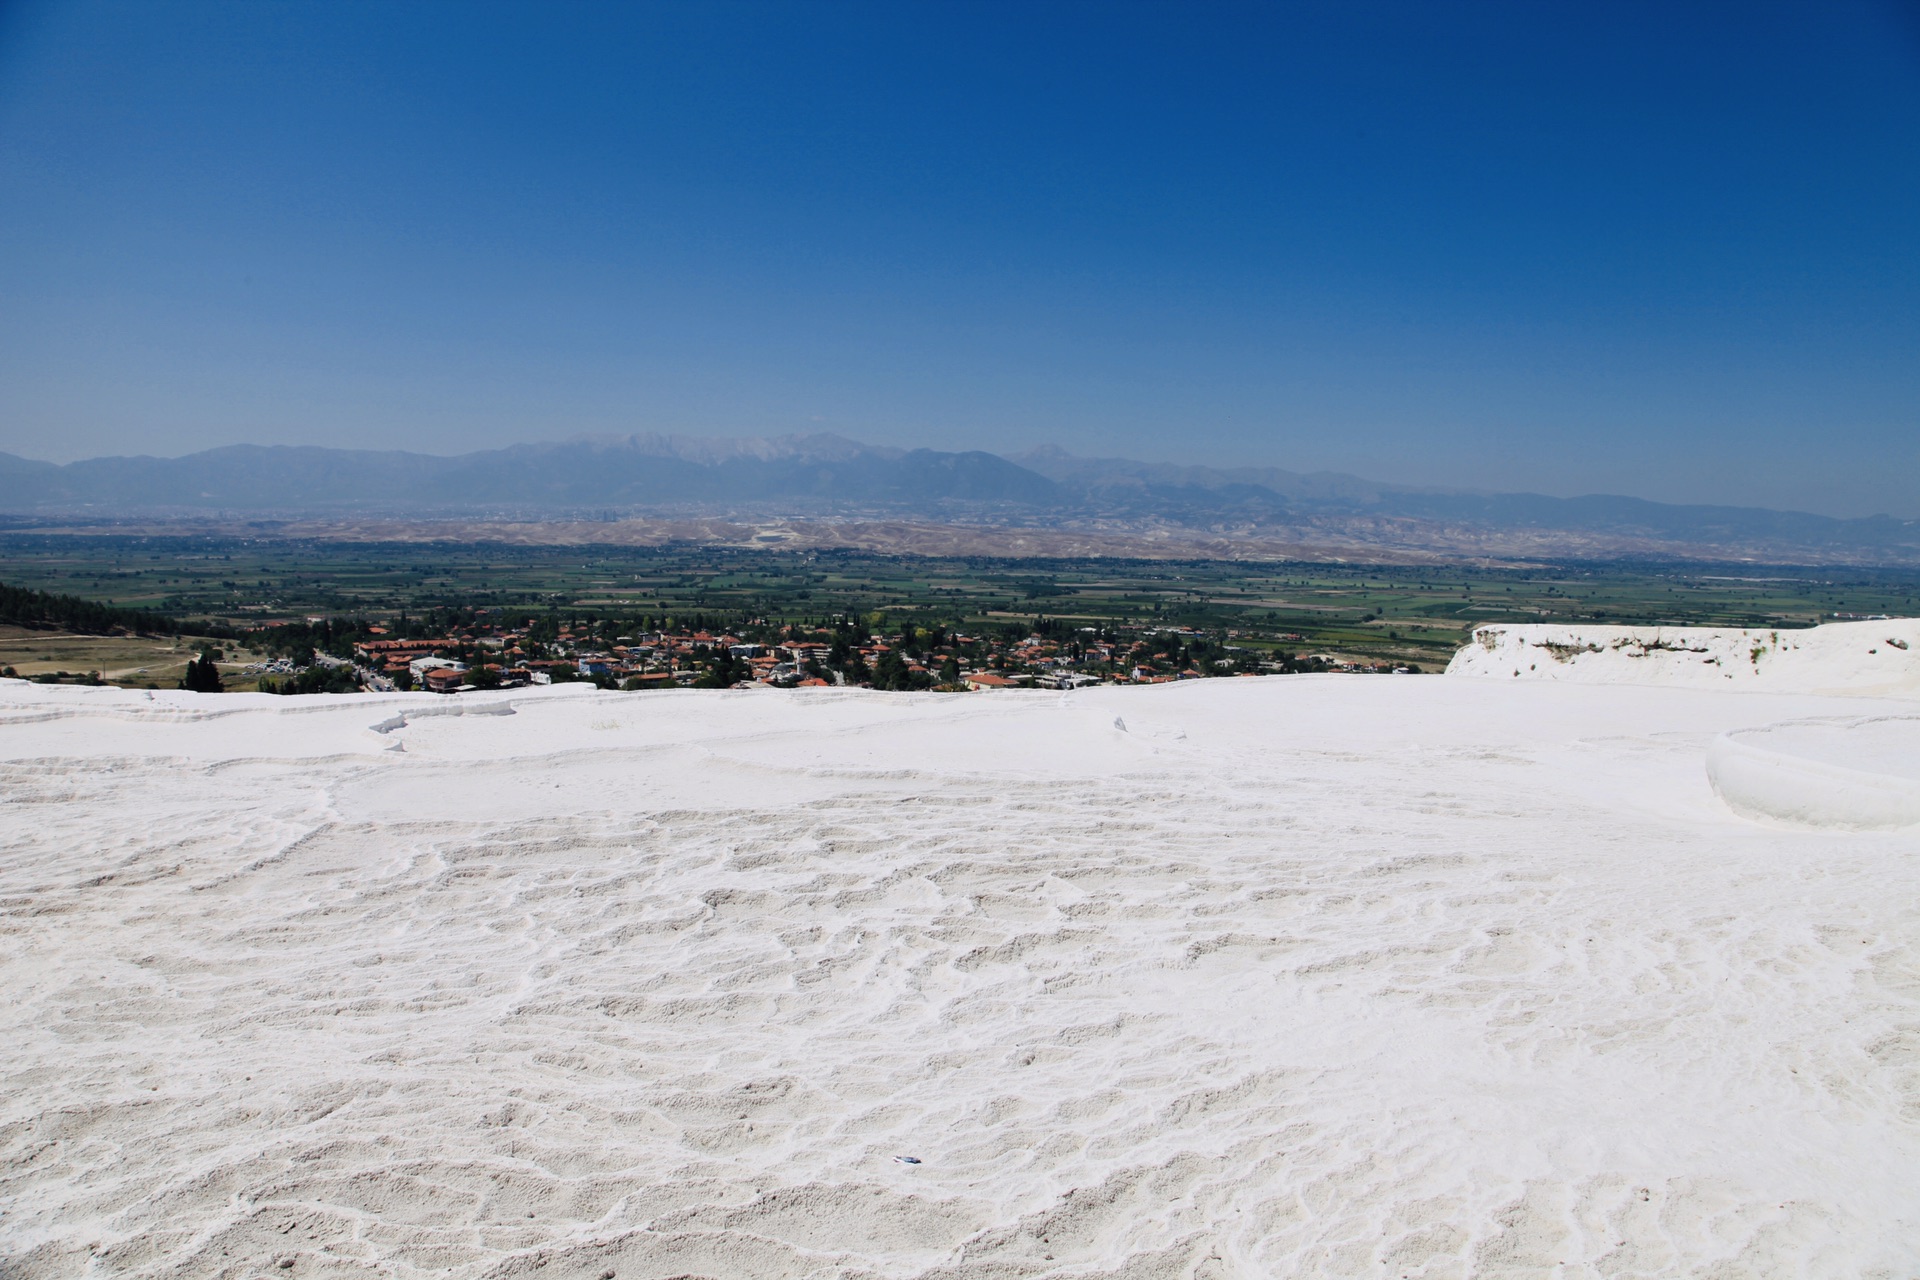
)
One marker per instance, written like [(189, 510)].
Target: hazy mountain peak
[(800, 474), (714, 450)]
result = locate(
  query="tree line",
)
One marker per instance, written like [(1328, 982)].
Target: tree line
[(25, 607)]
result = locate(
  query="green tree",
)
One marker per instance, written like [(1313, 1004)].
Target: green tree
[(203, 676), (725, 672), (890, 672), (25, 607), (317, 680)]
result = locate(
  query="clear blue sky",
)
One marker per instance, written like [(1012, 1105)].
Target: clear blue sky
[(1669, 250)]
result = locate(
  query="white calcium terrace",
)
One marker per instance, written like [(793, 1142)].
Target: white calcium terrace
[(1842, 772), (1877, 657), (1845, 772), (1310, 975)]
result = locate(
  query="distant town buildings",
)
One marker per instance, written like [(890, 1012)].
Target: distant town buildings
[(487, 651)]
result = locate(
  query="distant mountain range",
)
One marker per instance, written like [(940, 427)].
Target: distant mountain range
[(822, 476), (639, 471)]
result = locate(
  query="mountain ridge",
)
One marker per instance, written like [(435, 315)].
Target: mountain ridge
[(823, 475)]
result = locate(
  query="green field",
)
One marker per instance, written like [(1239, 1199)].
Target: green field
[(1377, 613)]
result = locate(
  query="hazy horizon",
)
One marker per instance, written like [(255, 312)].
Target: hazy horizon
[(1013, 454), (1664, 252)]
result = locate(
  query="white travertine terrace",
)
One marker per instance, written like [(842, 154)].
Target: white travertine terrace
[(1875, 657), (1311, 975)]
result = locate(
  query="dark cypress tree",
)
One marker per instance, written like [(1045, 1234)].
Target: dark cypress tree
[(203, 676)]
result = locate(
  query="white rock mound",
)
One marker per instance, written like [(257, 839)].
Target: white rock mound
[(1860, 774), (1878, 658)]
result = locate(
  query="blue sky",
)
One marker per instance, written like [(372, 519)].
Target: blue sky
[(1668, 250)]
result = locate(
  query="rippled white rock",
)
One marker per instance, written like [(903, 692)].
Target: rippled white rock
[(1305, 976)]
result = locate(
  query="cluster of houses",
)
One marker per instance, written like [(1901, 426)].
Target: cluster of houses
[(506, 656)]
